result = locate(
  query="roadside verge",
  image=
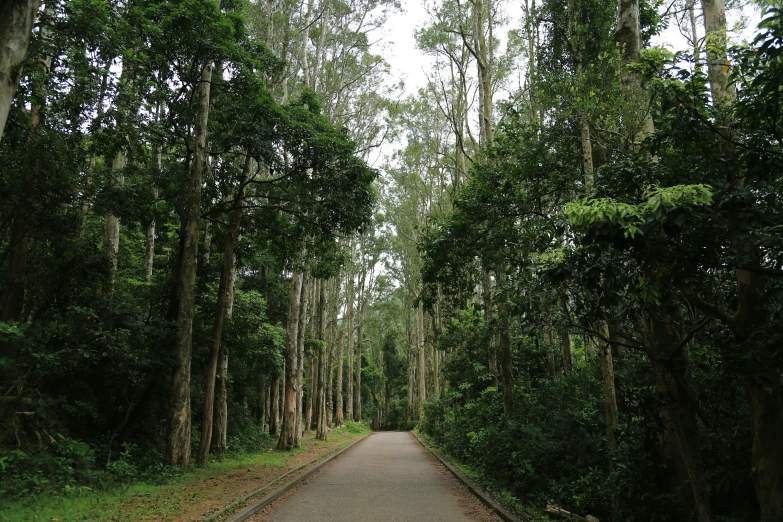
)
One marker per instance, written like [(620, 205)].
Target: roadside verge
[(256, 506), (472, 486)]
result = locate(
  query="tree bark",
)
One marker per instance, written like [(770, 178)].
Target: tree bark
[(274, 406), (506, 363), (717, 61), (288, 429), (681, 436), (301, 353), (550, 353), (357, 403), (16, 28), (488, 317), (220, 424), (349, 349), (224, 298), (321, 425), (338, 411), (422, 359), (178, 432)]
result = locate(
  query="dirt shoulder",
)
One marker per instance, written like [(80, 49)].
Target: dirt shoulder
[(193, 496)]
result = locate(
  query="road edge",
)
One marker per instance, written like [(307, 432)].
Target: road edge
[(257, 506), (474, 488)]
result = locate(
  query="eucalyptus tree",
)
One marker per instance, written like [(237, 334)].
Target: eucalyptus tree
[(15, 33)]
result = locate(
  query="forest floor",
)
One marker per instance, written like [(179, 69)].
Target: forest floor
[(190, 497)]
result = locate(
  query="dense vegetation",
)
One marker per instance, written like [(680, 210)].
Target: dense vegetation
[(574, 292)]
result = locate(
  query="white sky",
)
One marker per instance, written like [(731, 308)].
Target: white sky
[(411, 65)]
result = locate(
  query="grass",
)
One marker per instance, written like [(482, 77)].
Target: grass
[(145, 501)]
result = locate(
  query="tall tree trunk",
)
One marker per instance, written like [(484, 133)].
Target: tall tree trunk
[(321, 425), (220, 428), (550, 353), (111, 224), (488, 317), (11, 42), (274, 406), (504, 343), (349, 348), (178, 432), (332, 342), (422, 359), (288, 428), (762, 385), (410, 391), (357, 403), (338, 411), (16, 28), (628, 36), (224, 298), (716, 38), (301, 353), (681, 436)]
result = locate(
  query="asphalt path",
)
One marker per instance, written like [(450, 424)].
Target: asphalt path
[(387, 477)]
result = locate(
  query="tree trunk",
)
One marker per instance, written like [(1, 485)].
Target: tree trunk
[(224, 298), (111, 224), (288, 429), (338, 411), (301, 353), (488, 316), (550, 353), (716, 39), (506, 364), (681, 435), (330, 363), (357, 402), (220, 428), (422, 359), (178, 433), (349, 348), (16, 27), (320, 429), (17, 15), (274, 406)]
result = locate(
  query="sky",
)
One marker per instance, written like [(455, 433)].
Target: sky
[(408, 63)]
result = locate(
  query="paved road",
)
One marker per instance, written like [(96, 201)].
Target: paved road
[(387, 477)]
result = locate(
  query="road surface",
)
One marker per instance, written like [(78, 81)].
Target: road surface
[(387, 477)]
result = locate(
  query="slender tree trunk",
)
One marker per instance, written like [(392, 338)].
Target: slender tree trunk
[(422, 359), (224, 298), (301, 353), (332, 342), (111, 224), (274, 406), (220, 428), (178, 432), (410, 391), (550, 353), (338, 411), (357, 403), (13, 24), (717, 38), (288, 428), (16, 27), (488, 317), (320, 429), (349, 348), (681, 435), (506, 363)]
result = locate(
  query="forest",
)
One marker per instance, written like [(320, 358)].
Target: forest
[(225, 224)]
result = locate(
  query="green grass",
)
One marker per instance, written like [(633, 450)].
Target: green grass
[(155, 500)]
